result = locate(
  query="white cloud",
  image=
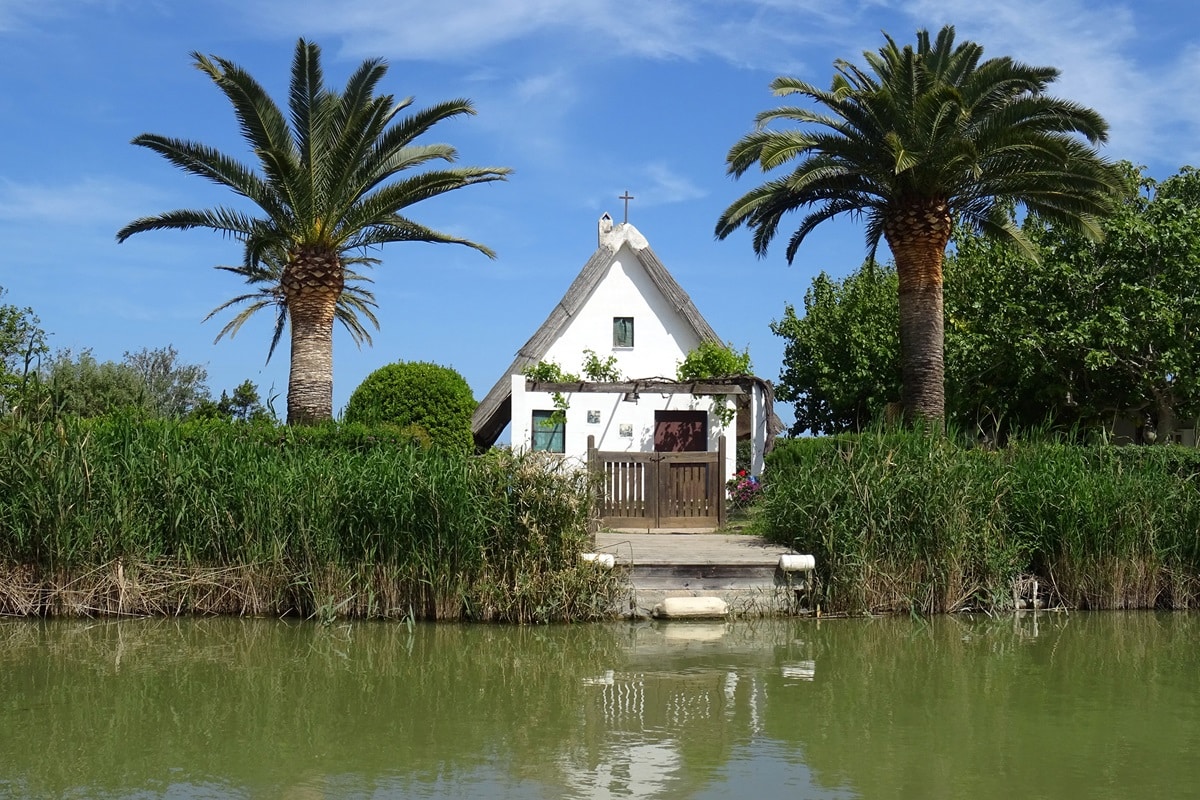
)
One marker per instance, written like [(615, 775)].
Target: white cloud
[(1106, 59), (744, 32), (16, 14), (663, 186), (88, 201), (552, 87)]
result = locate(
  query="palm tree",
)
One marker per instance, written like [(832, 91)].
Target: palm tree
[(267, 276), (331, 182), (919, 139)]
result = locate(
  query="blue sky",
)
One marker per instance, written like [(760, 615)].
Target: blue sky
[(583, 100)]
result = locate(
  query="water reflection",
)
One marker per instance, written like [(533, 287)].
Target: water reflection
[(1044, 705)]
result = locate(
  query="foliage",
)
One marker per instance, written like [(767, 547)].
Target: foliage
[(210, 516), (600, 370), (1096, 329), (423, 399), (905, 522), (1090, 331), (244, 405), (22, 348), (172, 388), (744, 489), (548, 372), (715, 360), (923, 137), (552, 372), (841, 361), (153, 382), (334, 176)]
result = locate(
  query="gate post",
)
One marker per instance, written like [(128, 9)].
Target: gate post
[(595, 487), (721, 482)]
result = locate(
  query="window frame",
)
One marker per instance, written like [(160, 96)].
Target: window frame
[(551, 433), (619, 340)]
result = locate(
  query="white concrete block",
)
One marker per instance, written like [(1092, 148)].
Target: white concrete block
[(605, 560), (691, 608), (795, 562)]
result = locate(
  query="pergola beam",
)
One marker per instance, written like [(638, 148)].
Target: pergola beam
[(650, 386)]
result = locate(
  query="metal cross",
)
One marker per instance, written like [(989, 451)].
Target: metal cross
[(626, 197)]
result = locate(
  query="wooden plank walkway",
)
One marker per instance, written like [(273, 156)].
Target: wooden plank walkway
[(688, 548)]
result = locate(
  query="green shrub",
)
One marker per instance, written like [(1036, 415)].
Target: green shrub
[(423, 402)]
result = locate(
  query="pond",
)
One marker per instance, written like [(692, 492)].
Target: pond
[(1029, 706)]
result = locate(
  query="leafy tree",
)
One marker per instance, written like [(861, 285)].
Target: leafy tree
[(1128, 329), (171, 388), (841, 362), (244, 405), (1089, 331), (921, 138), (81, 386), (22, 347), (150, 381), (428, 401), (334, 179)]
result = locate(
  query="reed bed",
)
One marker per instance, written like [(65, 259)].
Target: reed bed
[(128, 516), (908, 522)]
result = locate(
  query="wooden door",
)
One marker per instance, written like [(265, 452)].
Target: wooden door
[(680, 431)]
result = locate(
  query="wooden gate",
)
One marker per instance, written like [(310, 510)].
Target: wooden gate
[(659, 490)]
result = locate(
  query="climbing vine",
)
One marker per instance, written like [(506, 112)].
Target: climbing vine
[(596, 369), (552, 372), (715, 360)]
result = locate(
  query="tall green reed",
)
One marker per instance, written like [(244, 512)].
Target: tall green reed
[(904, 521), (337, 520)]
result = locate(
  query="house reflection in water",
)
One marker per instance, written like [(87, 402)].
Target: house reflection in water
[(671, 717)]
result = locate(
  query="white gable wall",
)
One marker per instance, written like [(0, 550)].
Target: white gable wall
[(661, 337)]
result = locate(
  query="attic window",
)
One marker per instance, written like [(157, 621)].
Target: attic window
[(622, 331)]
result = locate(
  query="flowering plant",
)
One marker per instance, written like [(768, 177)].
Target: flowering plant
[(743, 489)]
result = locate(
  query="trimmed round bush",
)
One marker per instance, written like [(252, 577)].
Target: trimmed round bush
[(431, 403)]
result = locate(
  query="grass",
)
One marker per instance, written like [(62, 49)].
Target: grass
[(127, 516), (745, 519)]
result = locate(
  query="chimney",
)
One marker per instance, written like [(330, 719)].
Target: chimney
[(604, 228)]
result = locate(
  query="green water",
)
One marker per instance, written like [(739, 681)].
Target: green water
[(1057, 706)]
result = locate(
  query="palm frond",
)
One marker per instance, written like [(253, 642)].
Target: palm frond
[(225, 220), (930, 123)]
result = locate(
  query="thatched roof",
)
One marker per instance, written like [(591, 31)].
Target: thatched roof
[(495, 410)]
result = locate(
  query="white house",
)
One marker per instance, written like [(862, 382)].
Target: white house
[(626, 305)]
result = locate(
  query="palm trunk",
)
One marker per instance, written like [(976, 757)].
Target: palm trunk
[(917, 235), (312, 283), (1164, 406)]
